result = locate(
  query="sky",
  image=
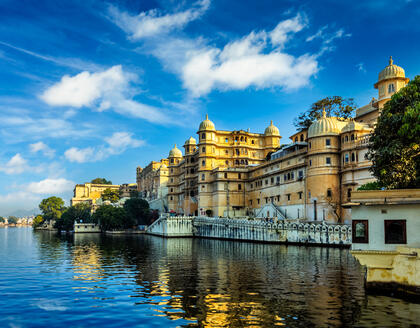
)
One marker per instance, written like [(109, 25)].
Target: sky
[(96, 88)]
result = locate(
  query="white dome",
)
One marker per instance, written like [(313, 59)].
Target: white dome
[(271, 130), (206, 125), (326, 126), (175, 152)]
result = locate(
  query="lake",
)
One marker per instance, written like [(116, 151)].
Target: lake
[(48, 280)]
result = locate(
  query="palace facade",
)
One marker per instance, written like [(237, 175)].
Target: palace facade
[(241, 173)]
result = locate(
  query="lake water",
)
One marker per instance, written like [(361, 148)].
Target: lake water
[(48, 280)]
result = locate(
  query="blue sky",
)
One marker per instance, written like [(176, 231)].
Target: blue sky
[(95, 88)]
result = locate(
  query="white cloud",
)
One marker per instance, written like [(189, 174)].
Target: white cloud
[(110, 89), (79, 155), (16, 165), (42, 147), (153, 22), (50, 186), (361, 67), (255, 60), (116, 144), (284, 29), (85, 88)]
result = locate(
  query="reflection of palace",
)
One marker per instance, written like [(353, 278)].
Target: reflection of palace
[(238, 173)]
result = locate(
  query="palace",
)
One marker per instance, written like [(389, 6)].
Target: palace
[(241, 173)]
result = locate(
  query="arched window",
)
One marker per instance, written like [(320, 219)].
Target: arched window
[(329, 193), (203, 136), (203, 163), (346, 138), (242, 138), (353, 158), (236, 162), (391, 88), (203, 150)]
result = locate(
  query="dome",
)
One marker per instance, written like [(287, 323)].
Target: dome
[(355, 126), (391, 71), (175, 152), (271, 130), (326, 126), (190, 141), (206, 125)]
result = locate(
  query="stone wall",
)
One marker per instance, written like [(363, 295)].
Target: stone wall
[(253, 230)]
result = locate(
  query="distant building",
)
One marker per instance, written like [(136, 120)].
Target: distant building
[(90, 193), (242, 173), (127, 190)]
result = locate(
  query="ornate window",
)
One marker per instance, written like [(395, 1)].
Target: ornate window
[(360, 231), (391, 88)]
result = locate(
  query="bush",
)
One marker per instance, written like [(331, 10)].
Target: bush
[(370, 186)]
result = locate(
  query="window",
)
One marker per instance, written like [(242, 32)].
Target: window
[(266, 200), (310, 145), (239, 186), (349, 193), (352, 137), (250, 202), (285, 177), (251, 185), (172, 189), (203, 163), (272, 180), (329, 193), (239, 175), (258, 201), (203, 177), (353, 158), (395, 232), (278, 179), (227, 152), (225, 175), (288, 197), (252, 141), (172, 170), (391, 88), (360, 231), (300, 194), (172, 180), (172, 160), (328, 142), (292, 175), (296, 139), (226, 140), (266, 181), (328, 160), (346, 158), (300, 174), (237, 152), (309, 194), (227, 162), (203, 136), (203, 150), (310, 162), (346, 138), (171, 198)]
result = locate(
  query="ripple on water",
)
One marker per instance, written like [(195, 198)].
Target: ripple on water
[(82, 280)]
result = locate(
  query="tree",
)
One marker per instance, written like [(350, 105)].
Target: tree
[(342, 108), (12, 220), (370, 186), (2, 220), (138, 210), (38, 221), (112, 195), (52, 208), (101, 181), (80, 212), (395, 142), (134, 194), (112, 218)]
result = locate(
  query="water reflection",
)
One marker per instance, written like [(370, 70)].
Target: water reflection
[(145, 280)]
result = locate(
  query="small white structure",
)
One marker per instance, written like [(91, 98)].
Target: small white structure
[(386, 238), (86, 227)]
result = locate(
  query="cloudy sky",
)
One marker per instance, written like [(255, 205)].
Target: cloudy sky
[(95, 88)]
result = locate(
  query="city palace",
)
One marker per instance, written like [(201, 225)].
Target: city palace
[(247, 174)]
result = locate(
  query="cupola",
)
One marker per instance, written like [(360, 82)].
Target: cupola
[(207, 125), (272, 130), (190, 141), (391, 72), (325, 126), (175, 152)]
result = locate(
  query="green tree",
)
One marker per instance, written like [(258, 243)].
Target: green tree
[(80, 212), (134, 194), (2, 220), (101, 181), (52, 208), (342, 108), (112, 195), (394, 145), (112, 218), (38, 221), (370, 186), (12, 219), (138, 210)]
